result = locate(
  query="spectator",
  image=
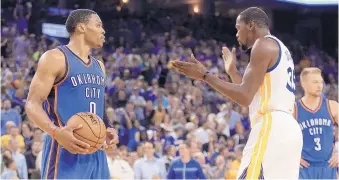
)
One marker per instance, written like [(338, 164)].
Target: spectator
[(14, 134), (139, 103), (10, 170), (218, 172), (31, 157), (149, 167), (158, 115), (202, 133), (227, 114), (206, 168), (7, 154), (176, 137), (37, 135), (19, 159), (185, 167), (8, 126), (232, 170), (9, 114), (27, 133), (169, 156), (133, 132), (118, 167)]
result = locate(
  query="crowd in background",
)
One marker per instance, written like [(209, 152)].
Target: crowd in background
[(158, 114)]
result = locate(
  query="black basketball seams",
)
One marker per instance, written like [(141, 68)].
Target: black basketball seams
[(84, 137), (100, 121), (88, 126)]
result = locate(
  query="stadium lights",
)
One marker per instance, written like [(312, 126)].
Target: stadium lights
[(125, 1), (196, 9), (312, 2)]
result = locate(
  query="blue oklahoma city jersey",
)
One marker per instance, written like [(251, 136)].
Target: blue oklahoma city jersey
[(317, 132), (81, 90)]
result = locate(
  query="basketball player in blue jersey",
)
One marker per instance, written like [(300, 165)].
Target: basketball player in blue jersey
[(68, 81), (316, 116)]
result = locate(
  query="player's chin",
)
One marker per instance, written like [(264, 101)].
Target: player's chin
[(97, 46)]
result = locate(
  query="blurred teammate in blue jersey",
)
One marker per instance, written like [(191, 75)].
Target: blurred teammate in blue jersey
[(68, 81), (316, 116)]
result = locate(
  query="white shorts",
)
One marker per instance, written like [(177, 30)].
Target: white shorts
[(273, 150)]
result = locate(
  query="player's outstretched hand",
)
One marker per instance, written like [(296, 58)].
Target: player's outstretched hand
[(229, 58), (66, 139), (333, 162), (193, 69), (304, 163), (111, 139)]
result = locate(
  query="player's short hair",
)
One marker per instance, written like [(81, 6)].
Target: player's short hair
[(76, 17), (256, 15), (310, 70)]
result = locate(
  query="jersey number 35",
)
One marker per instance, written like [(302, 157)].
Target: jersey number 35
[(291, 80)]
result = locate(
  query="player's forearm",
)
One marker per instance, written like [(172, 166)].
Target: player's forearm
[(39, 117), (236, 92), (236, 77)]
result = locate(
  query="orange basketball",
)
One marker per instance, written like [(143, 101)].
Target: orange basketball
[(93, 130)]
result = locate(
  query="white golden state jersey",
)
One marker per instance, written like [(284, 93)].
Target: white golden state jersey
[(277, 92)]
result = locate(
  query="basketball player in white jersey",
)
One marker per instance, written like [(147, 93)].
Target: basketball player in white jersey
[(267, 87)]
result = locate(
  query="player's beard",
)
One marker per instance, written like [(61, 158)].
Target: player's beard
[(243, 47)]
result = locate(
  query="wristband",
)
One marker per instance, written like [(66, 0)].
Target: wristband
[(52, 134), (205, 75)]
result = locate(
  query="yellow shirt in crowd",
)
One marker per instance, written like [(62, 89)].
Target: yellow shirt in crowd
[(232, 172), (5, 140)]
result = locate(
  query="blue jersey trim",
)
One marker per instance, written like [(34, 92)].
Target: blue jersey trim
[(97, 62), (279, 57), (86, 64)]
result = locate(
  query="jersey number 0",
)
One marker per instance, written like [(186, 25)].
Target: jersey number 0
[(93, 107)]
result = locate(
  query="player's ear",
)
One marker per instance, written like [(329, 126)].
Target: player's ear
[(251, 26), (81, 27)]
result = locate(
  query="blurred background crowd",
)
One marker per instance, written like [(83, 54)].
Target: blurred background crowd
[(159, 115)]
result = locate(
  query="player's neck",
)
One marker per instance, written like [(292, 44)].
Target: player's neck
[(311, 101), (263, 32), (79, 48), (260, 33)]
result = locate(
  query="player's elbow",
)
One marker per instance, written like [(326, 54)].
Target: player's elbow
[(30, 107), (245, 102), (246, 95), (245, 99)]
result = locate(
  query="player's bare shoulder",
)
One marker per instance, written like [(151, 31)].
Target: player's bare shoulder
[(53, 62), (266, 45)]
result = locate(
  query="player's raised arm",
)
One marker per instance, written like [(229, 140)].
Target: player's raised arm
[(51, 68), (334, 110), (263, 51), (230, 59)]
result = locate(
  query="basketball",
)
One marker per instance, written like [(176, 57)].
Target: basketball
[(93, 130)]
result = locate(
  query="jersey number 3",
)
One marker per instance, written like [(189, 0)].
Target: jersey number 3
[(291, 80), (317, 144)]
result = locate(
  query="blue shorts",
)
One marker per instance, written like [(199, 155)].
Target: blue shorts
[(318, 172), (58, 163)]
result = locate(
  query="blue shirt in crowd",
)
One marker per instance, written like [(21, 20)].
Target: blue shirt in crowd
[(190, 170)]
